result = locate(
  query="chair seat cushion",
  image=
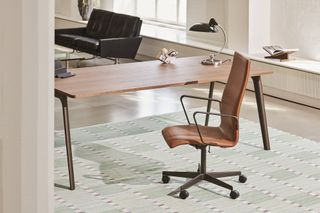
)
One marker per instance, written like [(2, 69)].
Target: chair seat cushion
[(86, 43), (188, 134)]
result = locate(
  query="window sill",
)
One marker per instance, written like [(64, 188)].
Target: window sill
[(179, 36), (182, 37), (75, 20), (296, 63)]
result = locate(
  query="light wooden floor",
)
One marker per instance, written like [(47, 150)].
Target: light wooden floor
[(295, 119)]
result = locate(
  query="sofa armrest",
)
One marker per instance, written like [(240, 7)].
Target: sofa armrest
[(120, 47), (73, 31)]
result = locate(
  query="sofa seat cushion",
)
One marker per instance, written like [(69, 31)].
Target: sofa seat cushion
[(86, 43), (66, 39)]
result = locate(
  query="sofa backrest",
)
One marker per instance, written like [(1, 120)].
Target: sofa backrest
[(98, 23), (105, 24), (138, 28), (122, 25)]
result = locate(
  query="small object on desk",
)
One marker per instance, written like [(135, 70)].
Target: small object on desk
[(212, 61), (166, 56), (277, 52)]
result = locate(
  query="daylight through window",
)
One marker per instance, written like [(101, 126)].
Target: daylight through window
[(162, 11)]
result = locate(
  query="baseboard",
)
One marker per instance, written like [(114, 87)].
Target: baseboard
[(289, 96)]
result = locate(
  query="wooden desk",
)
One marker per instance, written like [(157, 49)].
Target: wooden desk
[(103, 80)]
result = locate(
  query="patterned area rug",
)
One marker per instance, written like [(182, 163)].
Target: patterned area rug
[(118, 169)]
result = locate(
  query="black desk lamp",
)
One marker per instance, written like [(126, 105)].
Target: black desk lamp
[(212, 27)]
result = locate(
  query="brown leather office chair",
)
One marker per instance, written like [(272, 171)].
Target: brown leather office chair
[(225, 135)]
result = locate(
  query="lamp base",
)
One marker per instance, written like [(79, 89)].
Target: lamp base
[(212, 61)]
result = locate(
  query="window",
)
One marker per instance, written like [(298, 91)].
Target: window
[(163, 11)]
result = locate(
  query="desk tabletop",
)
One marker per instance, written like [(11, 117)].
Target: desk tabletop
[(119, 78)]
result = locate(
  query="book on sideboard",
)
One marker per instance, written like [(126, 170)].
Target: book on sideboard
[(278, 52)]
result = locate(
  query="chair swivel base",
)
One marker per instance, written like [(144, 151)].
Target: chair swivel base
[(199, 176)]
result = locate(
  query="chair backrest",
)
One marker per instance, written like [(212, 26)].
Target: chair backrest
[(233, 94)]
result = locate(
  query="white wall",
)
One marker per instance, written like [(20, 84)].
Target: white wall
[(68, 8), (296, 24), (259, 25), (238, 24), (217, 9), (26, 124), (106, 4), (202, 11), (196, 12)]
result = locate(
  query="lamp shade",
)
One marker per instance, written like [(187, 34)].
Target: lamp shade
[(213, 22), (204, 27)]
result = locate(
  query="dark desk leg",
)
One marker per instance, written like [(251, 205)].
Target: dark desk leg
[(64, 101), (209, 102), (261, 110)]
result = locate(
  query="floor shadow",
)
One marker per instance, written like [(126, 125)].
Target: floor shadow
[(119, 166)]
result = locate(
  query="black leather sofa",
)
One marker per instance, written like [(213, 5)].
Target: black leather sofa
[(107, 34)]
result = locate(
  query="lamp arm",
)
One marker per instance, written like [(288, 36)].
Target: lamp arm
[(225, 39)]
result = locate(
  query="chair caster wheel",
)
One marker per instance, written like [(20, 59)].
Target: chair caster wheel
[(234, 194), (242, 179), (165, 179), (184, 194)]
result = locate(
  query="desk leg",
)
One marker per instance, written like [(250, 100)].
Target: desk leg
[(261, 110), (65, 110), (209, 102)]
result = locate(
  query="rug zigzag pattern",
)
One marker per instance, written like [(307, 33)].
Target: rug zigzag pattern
[(118, 169)]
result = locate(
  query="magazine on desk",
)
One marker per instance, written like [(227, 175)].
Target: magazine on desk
[(275, 50)]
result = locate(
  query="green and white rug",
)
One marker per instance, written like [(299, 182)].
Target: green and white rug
[(118, 169)]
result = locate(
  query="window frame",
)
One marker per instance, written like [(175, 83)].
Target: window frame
[(156, 20)]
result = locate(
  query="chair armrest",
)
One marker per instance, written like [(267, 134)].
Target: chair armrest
[(73, 31), (195, 97), (120, 47), (211, 113)]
